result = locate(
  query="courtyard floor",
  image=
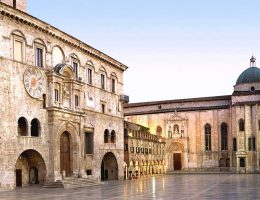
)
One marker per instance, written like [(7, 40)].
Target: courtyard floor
[(183, 186)]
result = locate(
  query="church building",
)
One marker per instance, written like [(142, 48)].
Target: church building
[(220, 133)]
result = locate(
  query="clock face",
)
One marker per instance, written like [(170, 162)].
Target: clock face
[(33, 82)]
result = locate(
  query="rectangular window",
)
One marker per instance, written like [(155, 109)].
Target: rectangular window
[(56, 95), (102, 81), (88, 171), (132, 149), (126, 147), (18, 50), (249, 144), (39, 57), (14, 3), (103, 108), (113, 86), (75, 68), (76, 101), (44, 101), (89, 144), (253, 144), (90, 76)]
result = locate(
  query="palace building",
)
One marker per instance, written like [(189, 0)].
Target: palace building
[(219, 133), (61, 103)]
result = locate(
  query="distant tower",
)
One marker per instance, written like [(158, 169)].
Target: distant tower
[(17, 4), (252, 61)]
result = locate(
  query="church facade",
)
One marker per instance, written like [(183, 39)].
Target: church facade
[(61, 104), (208, 134)]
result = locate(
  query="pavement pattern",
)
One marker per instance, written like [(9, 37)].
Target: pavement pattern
[(179, 186)]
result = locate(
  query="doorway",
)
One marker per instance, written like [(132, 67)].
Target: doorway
[(177, 161), (18, 174), (65, 154)]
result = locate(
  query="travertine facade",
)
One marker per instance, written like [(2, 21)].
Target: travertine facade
[(208, 134), (58, 96)]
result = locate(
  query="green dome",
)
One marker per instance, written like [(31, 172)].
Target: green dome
[(250, 75)]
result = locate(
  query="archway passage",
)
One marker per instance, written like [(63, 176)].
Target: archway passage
[(177, 161), (65, 162), (109, 167), (30, 168)]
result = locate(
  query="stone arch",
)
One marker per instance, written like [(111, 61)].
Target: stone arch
[(30, 160), (58, 55), (109, 167), (175, 156), (73, 137), (40, 41), (18, 33)]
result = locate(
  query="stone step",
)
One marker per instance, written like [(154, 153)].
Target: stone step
[(57, 184), (70, 182)]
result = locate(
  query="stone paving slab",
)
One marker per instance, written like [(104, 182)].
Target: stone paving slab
[(188, 186)]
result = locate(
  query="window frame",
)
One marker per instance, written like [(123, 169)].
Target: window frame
[(102, 81), (90, 76), (207, 132), (21, 40)]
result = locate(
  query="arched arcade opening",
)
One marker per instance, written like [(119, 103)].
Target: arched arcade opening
[(30, 169), (109, 167)]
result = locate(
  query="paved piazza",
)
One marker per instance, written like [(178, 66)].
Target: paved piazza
[(211, 186)]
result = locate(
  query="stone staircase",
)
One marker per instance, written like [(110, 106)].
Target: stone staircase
[(72, 182)]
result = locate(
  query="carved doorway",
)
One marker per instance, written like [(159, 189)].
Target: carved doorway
[(65, 154), (177, 161)]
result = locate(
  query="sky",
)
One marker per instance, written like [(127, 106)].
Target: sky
[(174, 49)]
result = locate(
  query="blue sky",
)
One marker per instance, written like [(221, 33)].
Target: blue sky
[(174, 48)]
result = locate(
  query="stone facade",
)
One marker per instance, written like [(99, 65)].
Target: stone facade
[(207, 134), (143, 151), (57, 98)]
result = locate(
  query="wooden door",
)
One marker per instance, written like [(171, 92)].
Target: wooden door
[(177, 161), (65, 154), (18, 174)]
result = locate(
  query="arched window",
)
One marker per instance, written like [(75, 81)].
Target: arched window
[(22, 126), (175, 128), (224, 137), (234, 144), (113, 136), (35, 128), (241, 124), (207, 137), (159, 131), (106, 136)]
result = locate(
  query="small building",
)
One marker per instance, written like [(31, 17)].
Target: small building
[(143, 151)]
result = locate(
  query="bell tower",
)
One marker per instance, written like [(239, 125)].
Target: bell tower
[(17, 4)]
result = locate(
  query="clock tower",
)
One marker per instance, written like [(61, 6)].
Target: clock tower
[(17, 4)]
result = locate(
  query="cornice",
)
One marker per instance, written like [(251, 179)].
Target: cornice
[(24, 18)]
